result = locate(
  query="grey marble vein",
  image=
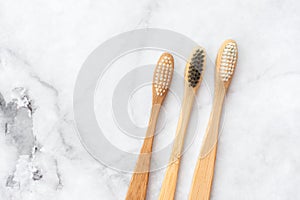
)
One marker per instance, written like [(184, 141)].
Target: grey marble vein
[(43, 45)]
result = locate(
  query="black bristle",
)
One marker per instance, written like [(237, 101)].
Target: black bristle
[(196, 67)]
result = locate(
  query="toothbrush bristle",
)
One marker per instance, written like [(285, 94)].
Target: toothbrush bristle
[(196, 67), (163, 74), (228, 61)]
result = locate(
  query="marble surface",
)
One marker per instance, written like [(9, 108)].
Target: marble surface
[(43, 45)]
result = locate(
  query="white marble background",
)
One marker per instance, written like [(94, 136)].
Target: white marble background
[(44, 43)]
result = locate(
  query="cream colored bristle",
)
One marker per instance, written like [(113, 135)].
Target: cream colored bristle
[(163, 75), (228, 61)]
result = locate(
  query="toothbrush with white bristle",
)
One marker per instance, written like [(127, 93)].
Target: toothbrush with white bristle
[(204, 171), (162, 78)]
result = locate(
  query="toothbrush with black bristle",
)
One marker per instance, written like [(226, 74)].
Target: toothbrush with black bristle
[(193, 78), (204, 171), (162, 78)]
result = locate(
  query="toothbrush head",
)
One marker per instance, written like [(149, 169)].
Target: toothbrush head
[(226, 61), (163, 75), (195, 67)]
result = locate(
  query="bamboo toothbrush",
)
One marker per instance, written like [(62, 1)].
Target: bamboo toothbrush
[(161, 82), (204, 171), (193, 77)]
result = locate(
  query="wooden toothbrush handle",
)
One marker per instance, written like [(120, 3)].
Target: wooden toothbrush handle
[(203, 176), (204, 170), (168, 188), (139, 181)]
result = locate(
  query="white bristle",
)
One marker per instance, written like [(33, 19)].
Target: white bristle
[(228, 59), (163, 75)]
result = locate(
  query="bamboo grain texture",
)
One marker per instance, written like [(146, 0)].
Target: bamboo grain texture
[(170, 180), (139, 181)]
